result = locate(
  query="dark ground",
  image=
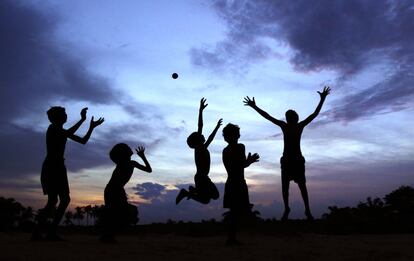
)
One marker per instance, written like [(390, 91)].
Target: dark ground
[(206, 242)]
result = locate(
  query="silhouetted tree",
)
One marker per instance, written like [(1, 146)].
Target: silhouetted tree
[(10, 212), (401, 202), (68, 218), (87, 210), (79, 214)]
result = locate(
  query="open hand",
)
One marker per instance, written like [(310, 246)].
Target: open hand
[(83, 113), (219, 123), (325, 92), (253, 158), (96, 123), (140, 151), (203, 104), (248, 102)]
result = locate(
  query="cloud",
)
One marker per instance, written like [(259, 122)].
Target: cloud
[(37, 72), (345, 36), (149, 190)]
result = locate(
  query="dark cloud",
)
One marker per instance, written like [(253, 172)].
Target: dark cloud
[(346, 36), (36, 71), (163, 207), (149, 190)]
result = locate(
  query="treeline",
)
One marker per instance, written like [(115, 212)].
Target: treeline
[(395, 210)]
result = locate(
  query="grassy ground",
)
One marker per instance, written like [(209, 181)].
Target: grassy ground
[(286, 245)]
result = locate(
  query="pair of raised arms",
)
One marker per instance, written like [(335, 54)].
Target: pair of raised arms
[(93, 124), (252, 103)]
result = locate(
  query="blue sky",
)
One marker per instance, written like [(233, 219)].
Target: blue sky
[(117, 57)]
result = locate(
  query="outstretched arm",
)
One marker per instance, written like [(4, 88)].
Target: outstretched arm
[(252, 103), (323, 94), (141, 153), (85, 138), (75, 127), (203, 105), (213, 133)]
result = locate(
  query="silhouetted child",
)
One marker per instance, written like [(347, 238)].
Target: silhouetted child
[(292, 162), (54, 178), (204, 190), (236, 194), (118, 211)]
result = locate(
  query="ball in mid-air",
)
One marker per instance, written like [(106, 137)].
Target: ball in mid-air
[(174, 75)]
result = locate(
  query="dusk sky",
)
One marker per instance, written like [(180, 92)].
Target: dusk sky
[(117, 57)]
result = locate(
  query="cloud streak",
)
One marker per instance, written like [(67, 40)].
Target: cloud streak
[(37, 72), (344, 36)]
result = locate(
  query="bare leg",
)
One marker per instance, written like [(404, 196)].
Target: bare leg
[(64, 200), (232, 227), (195, 195), (304, 192), (285, 193), (44, 215)]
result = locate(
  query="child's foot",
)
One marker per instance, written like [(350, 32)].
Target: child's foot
[(308, 215), (285, 214), (183, 193)]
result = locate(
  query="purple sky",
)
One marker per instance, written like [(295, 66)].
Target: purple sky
[(117, 59)]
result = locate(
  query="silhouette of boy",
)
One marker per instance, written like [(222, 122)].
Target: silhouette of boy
[(117, 209), (236, 194), (204, 190), (54, 178), (292, 162)]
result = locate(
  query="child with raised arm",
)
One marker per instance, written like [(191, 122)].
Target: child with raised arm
[(54, 178), (118, 211), (204, 190), (236, 194), (292, 162)]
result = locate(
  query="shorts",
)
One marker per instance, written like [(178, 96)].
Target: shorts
[(293, 168), (205, 187), (54, 177), (236, 195)]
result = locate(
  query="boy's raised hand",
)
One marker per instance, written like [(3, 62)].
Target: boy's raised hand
[(253, 158), (219, 123), (83, 113), (203, 104), (248, 102), (325, 92), (96, 123), (140, 151)]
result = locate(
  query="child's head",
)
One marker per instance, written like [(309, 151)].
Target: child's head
[(195, 139), (292, 117), (121, 152), (231, 133), (57, 115)]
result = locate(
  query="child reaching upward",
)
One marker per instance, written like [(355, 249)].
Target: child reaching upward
[(54, 177), (292, 162), (204, 190), (236, 194), (117, 210)]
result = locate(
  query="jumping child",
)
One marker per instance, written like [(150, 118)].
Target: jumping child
[(292, 162), (204, 190)]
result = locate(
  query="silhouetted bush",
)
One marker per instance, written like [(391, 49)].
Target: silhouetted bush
[(396, 211), (14, 215)]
